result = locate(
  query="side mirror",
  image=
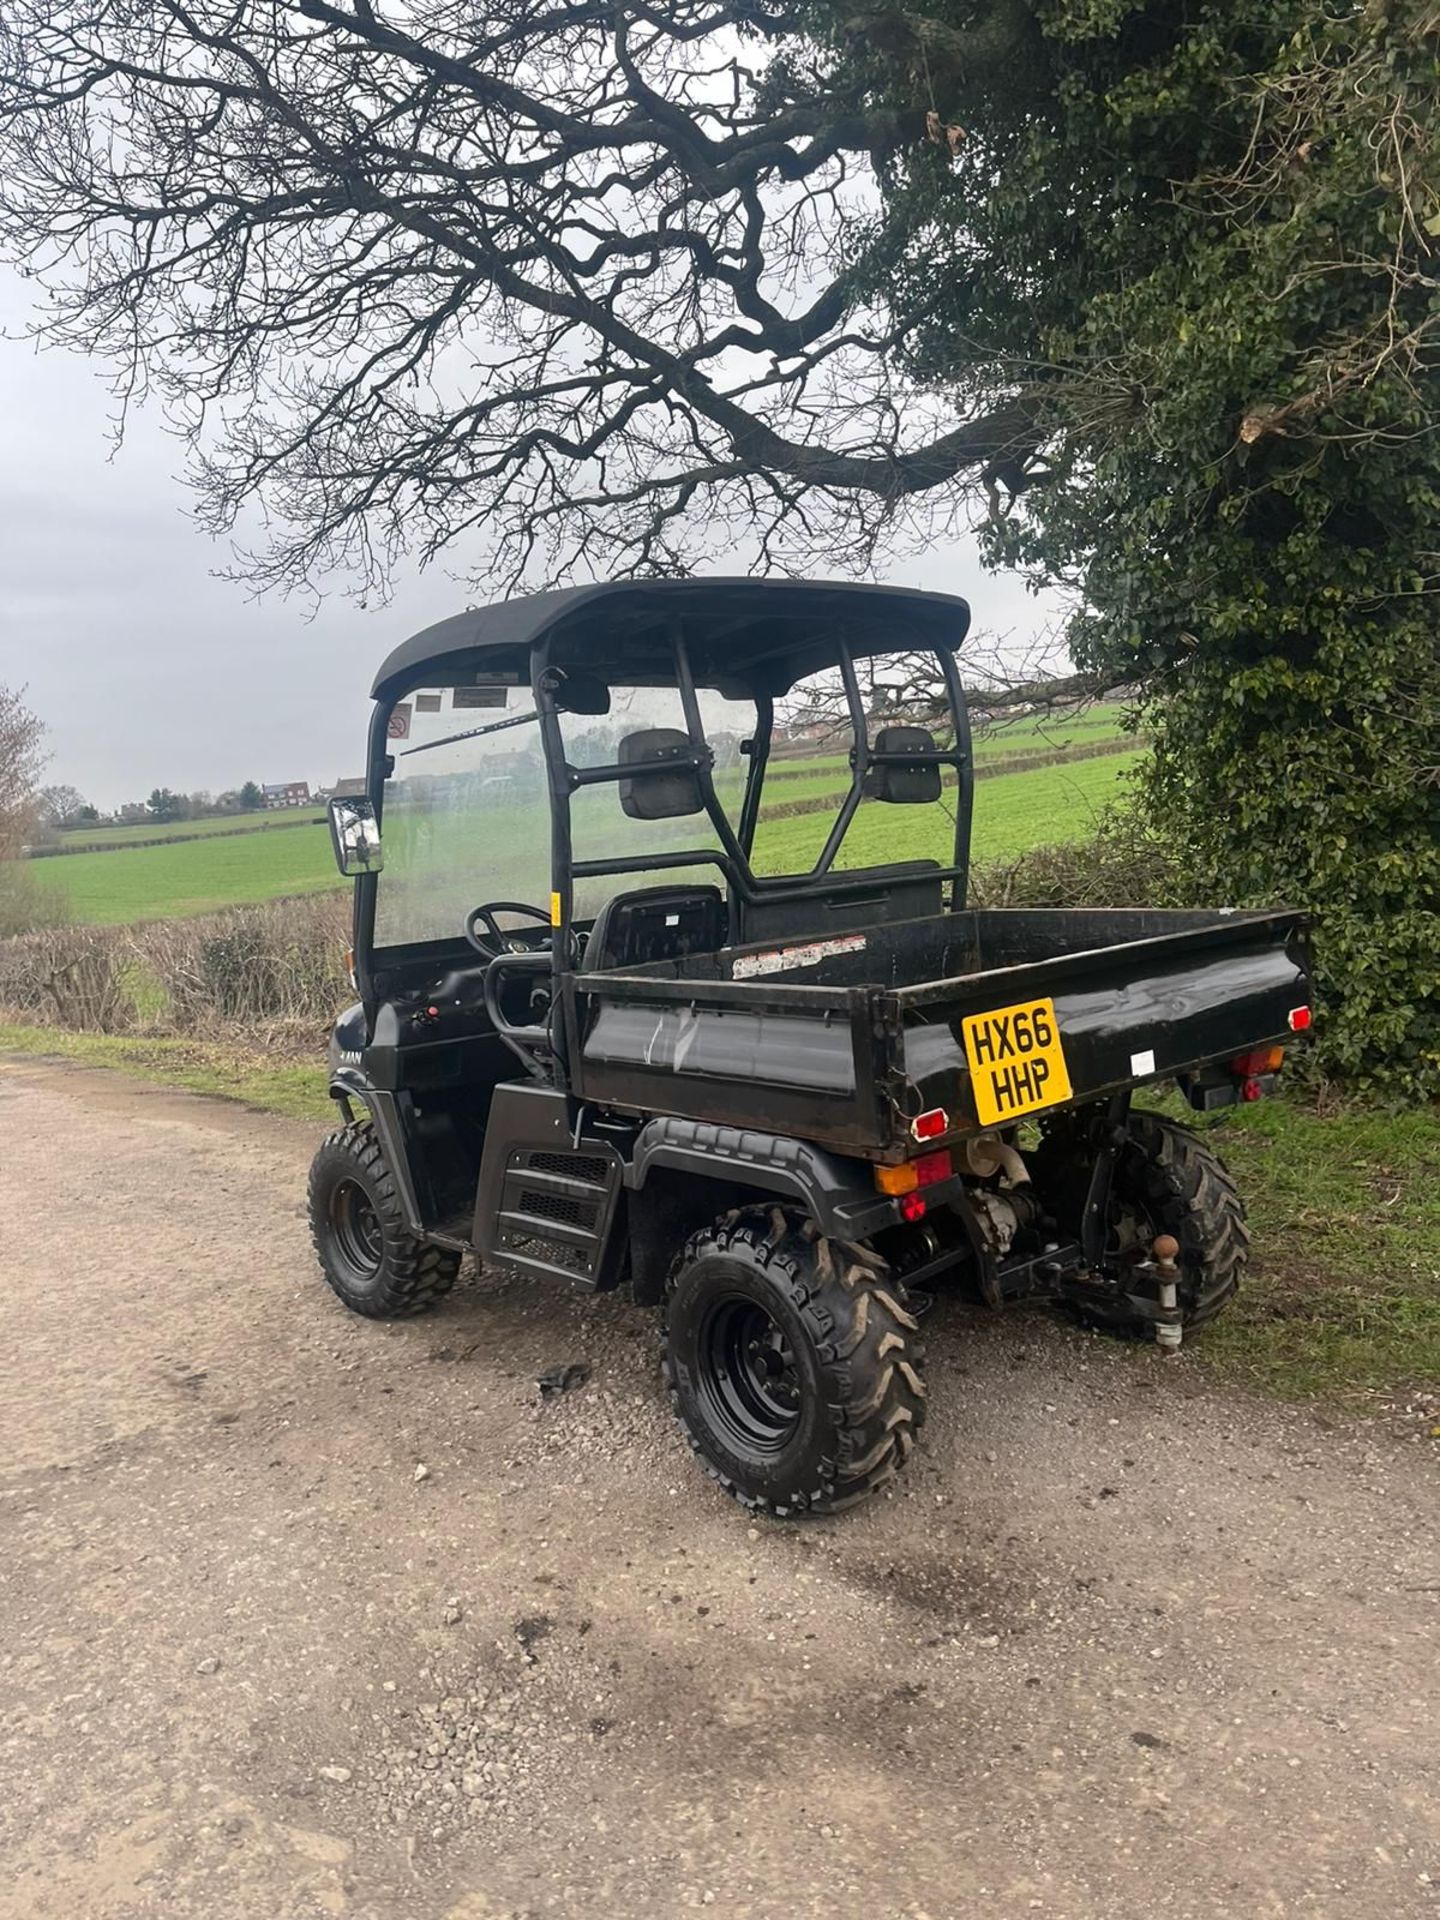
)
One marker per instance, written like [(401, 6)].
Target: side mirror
[(906, 786), (355, 836)]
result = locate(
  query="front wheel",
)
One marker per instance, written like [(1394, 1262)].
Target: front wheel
[(792, 1364), (366, 1252)]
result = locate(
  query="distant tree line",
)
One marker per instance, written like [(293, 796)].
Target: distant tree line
[(62, 808)]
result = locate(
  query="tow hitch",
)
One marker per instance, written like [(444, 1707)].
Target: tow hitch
[(1149, 1292), (1169, 1326)]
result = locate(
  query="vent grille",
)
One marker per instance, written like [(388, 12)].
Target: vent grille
[(576, 1166), (551, 1253), (560, 1207)]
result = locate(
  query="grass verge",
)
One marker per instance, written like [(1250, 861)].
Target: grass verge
[(274, 1084), (1343, 1299)]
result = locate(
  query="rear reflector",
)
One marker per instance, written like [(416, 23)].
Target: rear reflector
[(930, 1126), (1299, 1019), (912, 1207), (1251, 1090)]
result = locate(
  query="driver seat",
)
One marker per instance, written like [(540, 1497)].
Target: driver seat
[(655, 923)]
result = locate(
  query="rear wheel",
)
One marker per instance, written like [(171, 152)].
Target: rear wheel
[(366, 1252), (1167, 1180), (792, 1363)]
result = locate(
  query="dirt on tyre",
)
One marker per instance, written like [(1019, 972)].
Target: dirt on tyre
[(792, 1363), (1167, 1180), (366, 1252)]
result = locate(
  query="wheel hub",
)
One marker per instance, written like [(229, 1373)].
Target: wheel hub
[(356, 1226), (750, 1376)]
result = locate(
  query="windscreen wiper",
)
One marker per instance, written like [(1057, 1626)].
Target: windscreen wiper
[(474, 733)]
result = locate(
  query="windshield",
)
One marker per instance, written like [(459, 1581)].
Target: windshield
[(465, 822), (469, 821)]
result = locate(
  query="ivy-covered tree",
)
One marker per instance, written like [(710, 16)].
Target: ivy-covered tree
[(1205, 240)]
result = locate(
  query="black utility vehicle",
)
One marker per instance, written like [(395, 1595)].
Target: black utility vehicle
[(790, 1083)]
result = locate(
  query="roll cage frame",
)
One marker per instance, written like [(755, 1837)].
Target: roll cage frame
[(732, 856)]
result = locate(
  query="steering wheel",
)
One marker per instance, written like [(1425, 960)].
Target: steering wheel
[(499, 941)]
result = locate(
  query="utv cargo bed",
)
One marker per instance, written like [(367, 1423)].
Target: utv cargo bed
[(846, 1040)]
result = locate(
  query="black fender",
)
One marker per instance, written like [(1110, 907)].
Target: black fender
[(838, 1193), (350, 1085)]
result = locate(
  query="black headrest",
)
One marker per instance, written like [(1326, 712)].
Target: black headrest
[(659, 788)]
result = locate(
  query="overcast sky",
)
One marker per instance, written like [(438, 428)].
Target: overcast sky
[(147, 670)]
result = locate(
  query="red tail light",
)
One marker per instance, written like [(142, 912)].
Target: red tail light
[(1260, 1060), (910, 1174)]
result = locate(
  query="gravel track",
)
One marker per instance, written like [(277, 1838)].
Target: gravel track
[(302, 1615)]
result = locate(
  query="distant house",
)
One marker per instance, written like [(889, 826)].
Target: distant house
[(290, 793), (354, 789)]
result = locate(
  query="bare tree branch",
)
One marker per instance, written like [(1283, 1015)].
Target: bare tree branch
[(555, 274)]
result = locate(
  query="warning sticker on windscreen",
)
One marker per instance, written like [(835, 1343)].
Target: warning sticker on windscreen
[(748, 966)]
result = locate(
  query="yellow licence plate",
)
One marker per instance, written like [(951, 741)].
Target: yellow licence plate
[(1017, 1064)]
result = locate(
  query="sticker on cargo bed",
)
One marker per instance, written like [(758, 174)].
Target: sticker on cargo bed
[(747, 966), (1017, 1064)]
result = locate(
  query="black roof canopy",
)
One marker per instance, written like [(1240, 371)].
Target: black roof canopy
[(763, 634)]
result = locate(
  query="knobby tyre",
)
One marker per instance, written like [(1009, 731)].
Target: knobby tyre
[(366, 1252), (792, 1363)]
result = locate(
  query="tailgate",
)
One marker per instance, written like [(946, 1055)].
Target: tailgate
[(992, 1047)]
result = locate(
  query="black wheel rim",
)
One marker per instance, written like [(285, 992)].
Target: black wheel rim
[(749, 1377), (359, 1239)]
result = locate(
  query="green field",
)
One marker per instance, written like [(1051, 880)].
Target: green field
[(192, 876), (101, 837), (1096, 727), (1013, 813), (1344, 1212), (202, 872), (1041, 733)]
